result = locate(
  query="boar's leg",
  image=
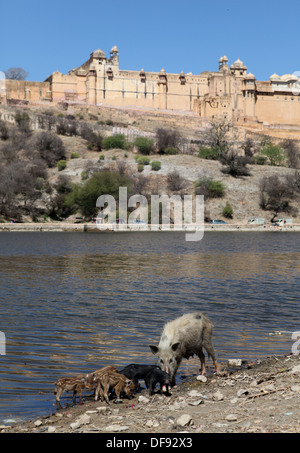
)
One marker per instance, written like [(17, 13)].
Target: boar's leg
[(76, 391), (58, 392), (98, 391), (202, 361), (118, 389), (105, 391), (211, 352)]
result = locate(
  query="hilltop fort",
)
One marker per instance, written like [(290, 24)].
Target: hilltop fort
[(230, 92)]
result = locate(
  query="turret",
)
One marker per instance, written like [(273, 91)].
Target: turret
[(238, 68)]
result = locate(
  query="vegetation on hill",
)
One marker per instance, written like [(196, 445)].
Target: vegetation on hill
[(35, 183)]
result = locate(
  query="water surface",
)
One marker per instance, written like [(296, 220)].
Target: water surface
[(73, 302)]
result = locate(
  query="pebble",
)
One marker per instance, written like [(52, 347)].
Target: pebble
[(231, 418), (235, 362), (194, 393), (196, 403), (295, 388), (84, 419), (185, 420), (152, 423), (178, 405), (74, 425), (143, 399), (218, 396), (38, 423), (201, 378), (242, 392), (51, 429), (296, 369), (103, 409)]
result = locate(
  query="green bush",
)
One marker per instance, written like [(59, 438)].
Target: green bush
[(84, 175), (170, 150), (74, 155), (260, 160), (83, 197), (274, 153), (144, 160), (209, 153), (101, 157), (145, 145), (216, 188), (61, 164), (227, 211), (156, 165), (117, 141), (210, 188), (140, 167)]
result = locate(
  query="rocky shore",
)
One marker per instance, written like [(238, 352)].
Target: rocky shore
[(259, 397), (92, 227)]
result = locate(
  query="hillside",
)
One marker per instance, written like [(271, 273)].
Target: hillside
[(242, 193)]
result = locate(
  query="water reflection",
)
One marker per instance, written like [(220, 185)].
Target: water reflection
[(74, 302)]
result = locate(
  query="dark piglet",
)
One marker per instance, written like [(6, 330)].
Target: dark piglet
[(157, 376), (136, 372)]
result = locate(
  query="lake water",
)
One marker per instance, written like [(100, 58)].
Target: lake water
[(74, 302)]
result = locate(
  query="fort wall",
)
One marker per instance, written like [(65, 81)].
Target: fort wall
[(230, 92)]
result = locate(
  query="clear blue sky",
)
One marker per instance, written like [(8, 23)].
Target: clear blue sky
[(188, 35)]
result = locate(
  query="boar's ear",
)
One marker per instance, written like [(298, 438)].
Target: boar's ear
[(154, 349), (175, 346)]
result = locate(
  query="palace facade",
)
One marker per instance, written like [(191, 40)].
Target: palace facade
[(230, 91)]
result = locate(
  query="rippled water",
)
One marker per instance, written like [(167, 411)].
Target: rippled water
[(73, 302)]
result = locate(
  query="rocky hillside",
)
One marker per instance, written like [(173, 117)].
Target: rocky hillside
[(243, 193)]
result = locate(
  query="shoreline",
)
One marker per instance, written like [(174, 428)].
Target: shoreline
[(90, 227), (258, 397)]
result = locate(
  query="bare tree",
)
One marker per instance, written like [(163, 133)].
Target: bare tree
[(276, 195), (175, 181), (167, 138), (234, 163), (49, 146), (16, 74), (219, 134), (222, 136), (250, 147), (292, 151)]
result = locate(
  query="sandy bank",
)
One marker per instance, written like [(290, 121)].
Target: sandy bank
[(261, 397), (90, 227)]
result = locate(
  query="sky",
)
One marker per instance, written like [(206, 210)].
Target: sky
[(177, 35)]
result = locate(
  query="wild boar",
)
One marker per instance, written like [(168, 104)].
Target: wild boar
[(75, 384), (182, 338), (90, 380), (157, 376), (113, 380), (136, 372)]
